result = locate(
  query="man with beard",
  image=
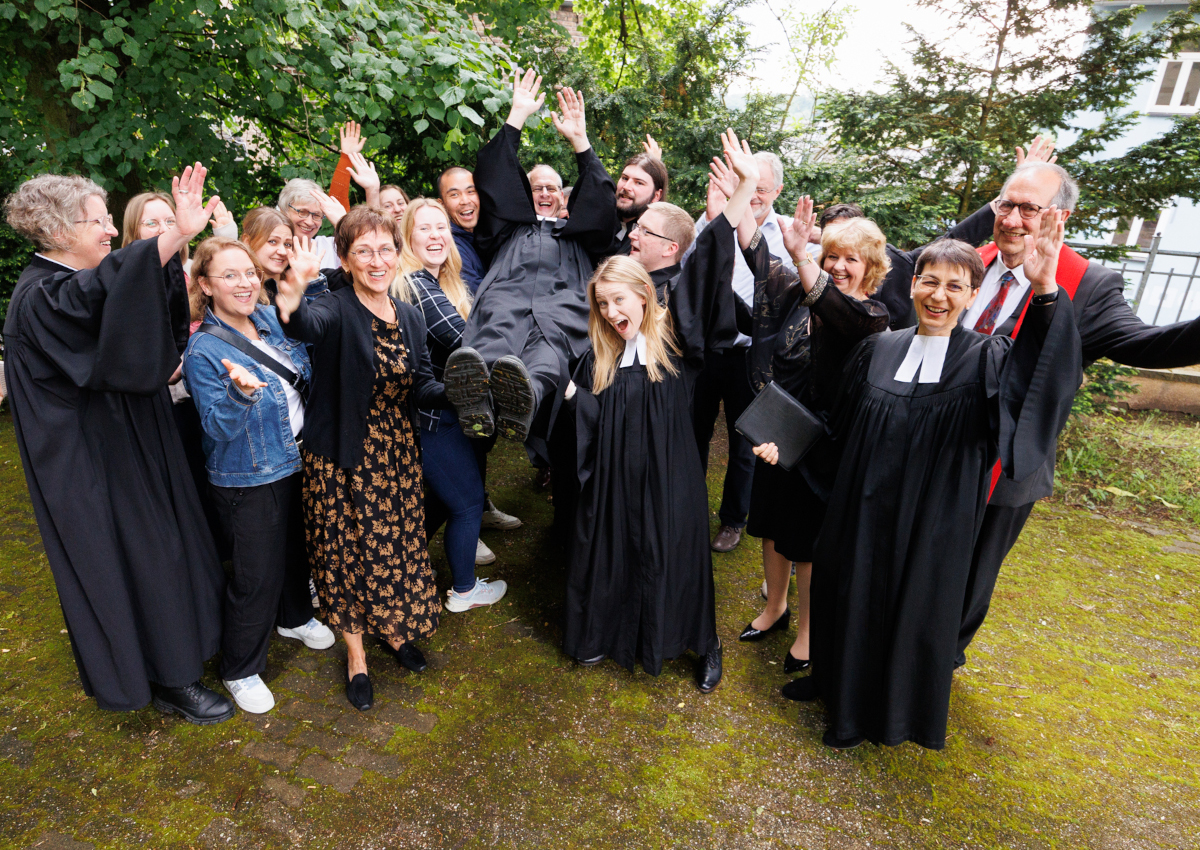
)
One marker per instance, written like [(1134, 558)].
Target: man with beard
[(725, 376), (643, 181), (456, 188)]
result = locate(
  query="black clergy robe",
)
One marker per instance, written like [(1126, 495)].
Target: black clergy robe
[(639, 575), (533, 301), (891, 562), (89, 354)]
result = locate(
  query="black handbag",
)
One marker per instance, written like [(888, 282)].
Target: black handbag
[(775, 417), (246, 347)]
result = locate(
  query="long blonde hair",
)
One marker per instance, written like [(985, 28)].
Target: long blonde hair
[(132, 218), (449, 275), (657, 326)]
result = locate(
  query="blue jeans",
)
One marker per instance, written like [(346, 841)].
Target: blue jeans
[(455, 495)]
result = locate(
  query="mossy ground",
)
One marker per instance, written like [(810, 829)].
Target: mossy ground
[(1072, 725)]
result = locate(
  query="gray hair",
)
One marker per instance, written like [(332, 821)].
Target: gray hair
[(776, 166), (557, 176), (1068, 190), (44, 210), (295, 190)]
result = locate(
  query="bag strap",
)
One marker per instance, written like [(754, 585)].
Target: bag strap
[(246, 347)]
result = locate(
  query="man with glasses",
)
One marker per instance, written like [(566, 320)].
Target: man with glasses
[(725, 377), (1107, 328), (658, 240)]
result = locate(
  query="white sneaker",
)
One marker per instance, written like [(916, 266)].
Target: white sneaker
[(484, 555), (483, 593), (314, 634), (251, 694), (493, 517)]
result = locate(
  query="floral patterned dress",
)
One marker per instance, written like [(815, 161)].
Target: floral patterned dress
[(366, 526)]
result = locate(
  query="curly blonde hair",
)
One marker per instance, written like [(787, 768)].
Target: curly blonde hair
[(864, 238), (44, 210)]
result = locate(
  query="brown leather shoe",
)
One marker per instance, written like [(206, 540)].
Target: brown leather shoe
[(727, 538)]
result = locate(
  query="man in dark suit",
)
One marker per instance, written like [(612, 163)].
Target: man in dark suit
[(1107, 328)]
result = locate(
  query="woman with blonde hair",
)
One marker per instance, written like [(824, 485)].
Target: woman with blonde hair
[(639, 580), (429, 274)]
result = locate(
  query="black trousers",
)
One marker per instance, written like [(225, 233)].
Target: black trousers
[(725, 379), (1001, 528), (264, 528)]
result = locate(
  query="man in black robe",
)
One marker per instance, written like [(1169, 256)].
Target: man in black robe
[(1107, 328), (528, 325), (90, 349), (658, 239), (643, 181)]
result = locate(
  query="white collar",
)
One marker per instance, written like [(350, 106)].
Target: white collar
[(56, 262), (547, 217), (635, 346), (927, 352)]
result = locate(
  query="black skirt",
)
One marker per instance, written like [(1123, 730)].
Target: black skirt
[(784, 510)]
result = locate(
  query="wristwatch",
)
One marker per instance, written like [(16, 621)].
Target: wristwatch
[(807, 259)]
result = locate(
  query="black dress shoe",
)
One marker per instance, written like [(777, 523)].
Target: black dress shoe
[(590, 662), (194, 703), (831, 740), (360, 692), (411, 657), (710, 670), (752, 634), (794, 665), (801, 690)]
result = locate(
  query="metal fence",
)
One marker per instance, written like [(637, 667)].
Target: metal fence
[(1161, 285)]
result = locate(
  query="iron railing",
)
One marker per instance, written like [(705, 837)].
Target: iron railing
[(1158, 283)]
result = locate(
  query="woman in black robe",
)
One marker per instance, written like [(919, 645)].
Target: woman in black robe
[(91, 339), (639, 581), (921, 416)]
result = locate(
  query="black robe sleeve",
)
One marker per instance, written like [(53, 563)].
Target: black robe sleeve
[(1109, 328), (853, 379), (593, 218), (313, 322), (107, 329), (585, 409), (701, 301), (178, 302), (1030, 383)]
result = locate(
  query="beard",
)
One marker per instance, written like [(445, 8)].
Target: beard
[(634, 212)]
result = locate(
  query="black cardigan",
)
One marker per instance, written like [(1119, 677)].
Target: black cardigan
[(339, 327)]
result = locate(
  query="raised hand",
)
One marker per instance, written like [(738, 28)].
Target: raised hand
[(363, 173), (716, 199), (221, 216), (652, 148), (525, 98), (796, 235), (1040, 150), (304, 263), (191, 213), (332, 207), (769, 452), (570, 119), (240, 376), (352, 141), (740, 157), (724, 177), (289, 293), (1042, 248)]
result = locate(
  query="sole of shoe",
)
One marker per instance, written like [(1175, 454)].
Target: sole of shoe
[(166, 708), (466, 380), (512, 394), (253, 709), (311, 644)]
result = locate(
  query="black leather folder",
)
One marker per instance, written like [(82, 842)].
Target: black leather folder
[(775, 417)]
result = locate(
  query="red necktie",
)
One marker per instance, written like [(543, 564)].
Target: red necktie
[(986, 322)]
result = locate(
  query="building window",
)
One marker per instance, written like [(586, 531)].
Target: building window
[(1138, 233), (1177, 88)]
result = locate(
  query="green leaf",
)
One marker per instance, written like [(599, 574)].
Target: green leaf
[(275, 100), (436, 112), (100, 90), (421, 125), (384, 92), (492, 104), (470, 114), (83, 100)]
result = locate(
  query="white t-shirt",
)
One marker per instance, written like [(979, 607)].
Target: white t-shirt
[(295, 402)]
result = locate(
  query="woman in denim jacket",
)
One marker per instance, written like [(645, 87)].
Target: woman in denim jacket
[(252, 419)]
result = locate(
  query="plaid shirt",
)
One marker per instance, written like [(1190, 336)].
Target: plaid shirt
[(445, 331)]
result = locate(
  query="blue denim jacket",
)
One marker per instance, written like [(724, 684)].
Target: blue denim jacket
[(247, 439)]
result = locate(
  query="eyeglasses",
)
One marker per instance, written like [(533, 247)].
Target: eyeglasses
[(1003, 207), (365, 255), (315, 216), (153, 223), (547, 189), (231, 278), (637, 225), (931, 284), (107, 221)]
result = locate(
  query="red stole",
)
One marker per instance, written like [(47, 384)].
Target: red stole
[(1071, 267)]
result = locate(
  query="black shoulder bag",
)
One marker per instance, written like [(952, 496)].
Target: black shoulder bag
[(246, 347)]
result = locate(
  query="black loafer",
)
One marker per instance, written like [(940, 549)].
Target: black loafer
[(794, 665), (512, 394), (411, 657), (710, 670), (803, 689), (360, 692), (466, 380), (194, 703), (752, 634)]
